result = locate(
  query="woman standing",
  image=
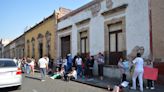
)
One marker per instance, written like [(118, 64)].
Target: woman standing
[(32, 64), (122, 69), (138, 72), (100, 61)]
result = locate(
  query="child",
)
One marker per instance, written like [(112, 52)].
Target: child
[(150, 83), (73, 74), (123, 66), (58, 75)]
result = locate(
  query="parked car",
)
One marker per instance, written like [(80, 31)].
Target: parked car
[(10, 74)]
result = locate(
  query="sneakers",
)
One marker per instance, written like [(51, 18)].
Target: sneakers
[(152, 88), (42, 80), (108, 87), (52, 78), (132, 88)]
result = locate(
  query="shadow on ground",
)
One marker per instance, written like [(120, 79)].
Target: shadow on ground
[(8, 89), (31, 77)]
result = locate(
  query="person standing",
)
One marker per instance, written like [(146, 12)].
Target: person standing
[(100, 61), (59, 63), (64, 64), (24, 65), (15, 60), (32, 64), (28, 68), (87, 65), (79, 66), (122, 69), (150, 83), (91, 65), (43, 65), (138, 72), (69, 62), (74, 62)]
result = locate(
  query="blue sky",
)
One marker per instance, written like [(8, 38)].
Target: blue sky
[(15, 15)]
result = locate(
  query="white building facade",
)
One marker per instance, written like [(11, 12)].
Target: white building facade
[(113, 27)]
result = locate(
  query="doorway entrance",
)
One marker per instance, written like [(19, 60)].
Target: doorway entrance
[(65, 46)]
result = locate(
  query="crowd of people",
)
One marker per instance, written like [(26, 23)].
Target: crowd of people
[(26, 64), (76, 67), (136, 70), (68, 68)]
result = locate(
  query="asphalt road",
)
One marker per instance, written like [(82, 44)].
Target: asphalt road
[(33, 84)]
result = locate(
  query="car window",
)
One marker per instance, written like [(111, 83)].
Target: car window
[(7, 63)]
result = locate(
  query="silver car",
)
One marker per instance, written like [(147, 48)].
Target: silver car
[(10, 74)]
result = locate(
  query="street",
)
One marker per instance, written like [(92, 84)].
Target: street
[(33, 84)]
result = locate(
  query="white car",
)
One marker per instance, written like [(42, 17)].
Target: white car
[(10, 74)]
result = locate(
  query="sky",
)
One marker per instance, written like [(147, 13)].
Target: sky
[(16, 15)]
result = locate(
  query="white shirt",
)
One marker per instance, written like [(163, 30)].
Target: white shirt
[(79, 61), (64, 62), (47, 59), (32, 63), (139, 62), (42, 63), (19, 63)]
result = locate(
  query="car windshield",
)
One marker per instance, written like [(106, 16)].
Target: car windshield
[(7, 63)]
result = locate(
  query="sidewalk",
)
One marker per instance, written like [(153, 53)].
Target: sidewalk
[(96, 82)]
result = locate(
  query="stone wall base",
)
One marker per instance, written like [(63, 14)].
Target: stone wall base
[(160, 66)]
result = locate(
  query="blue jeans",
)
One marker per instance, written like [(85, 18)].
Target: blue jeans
[(43, 73), (79, 70), (69, 66), (65, 68), (28, 69)]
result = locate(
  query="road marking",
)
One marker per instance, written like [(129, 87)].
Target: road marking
[(34, 90)]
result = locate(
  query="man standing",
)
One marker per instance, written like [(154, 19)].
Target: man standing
[(69, 62), (43, 65)]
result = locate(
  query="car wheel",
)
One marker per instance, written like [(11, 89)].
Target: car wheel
[(19, 87)]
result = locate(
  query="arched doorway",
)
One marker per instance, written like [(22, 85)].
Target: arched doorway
[(40, 45), (48, 43)]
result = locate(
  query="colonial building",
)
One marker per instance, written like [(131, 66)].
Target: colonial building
[(15, 49), (40, 39), (6, 52), (157, 32), (113, 27), (3, 43)]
